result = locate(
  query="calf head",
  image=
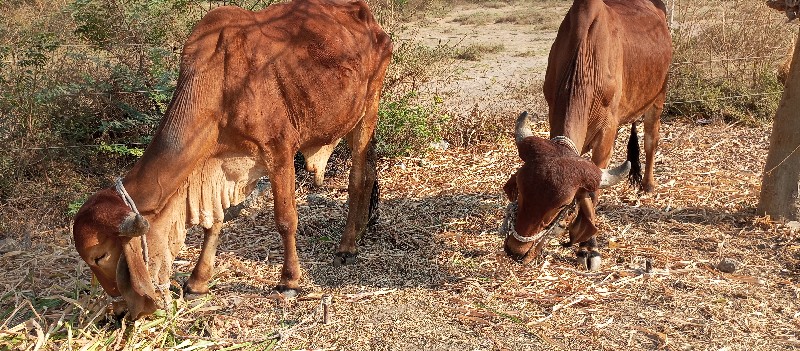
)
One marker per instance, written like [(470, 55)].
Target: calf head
[(551, 178), (108, 236)]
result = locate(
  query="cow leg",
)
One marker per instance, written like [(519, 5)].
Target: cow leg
[(588, 256), (583, 231), (282, 178), (652, 124), (362, 186), (204, 269)]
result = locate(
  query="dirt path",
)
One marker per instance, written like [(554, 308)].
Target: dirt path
[(506, 78)]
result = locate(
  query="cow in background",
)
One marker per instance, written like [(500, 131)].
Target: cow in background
[(607, 67), (254, 89)]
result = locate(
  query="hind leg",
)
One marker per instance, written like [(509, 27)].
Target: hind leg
[(204, 269), (652, 124), (362, 190), (603, 146)]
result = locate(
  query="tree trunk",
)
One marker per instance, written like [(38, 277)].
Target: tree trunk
[(779, 187)]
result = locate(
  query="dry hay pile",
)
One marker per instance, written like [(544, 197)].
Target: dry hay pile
[(433, 276)]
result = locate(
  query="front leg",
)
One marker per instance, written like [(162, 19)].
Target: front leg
[(282, 178), (588, 257), (204, 269), (583, 231)]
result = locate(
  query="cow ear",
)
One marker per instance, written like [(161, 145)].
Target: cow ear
[(133, 280), (511, 188), (133, 225)]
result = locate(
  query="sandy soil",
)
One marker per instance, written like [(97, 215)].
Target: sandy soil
[(500, 82)]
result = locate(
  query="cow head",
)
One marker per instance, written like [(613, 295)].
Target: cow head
[(551, 178), (106, 230)]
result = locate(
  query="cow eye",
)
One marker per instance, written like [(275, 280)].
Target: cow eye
[(98, 259)]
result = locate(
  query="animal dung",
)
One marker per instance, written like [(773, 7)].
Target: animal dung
[(728, 265)]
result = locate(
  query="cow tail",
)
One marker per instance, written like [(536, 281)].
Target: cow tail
[(635, 176), (374, 201), (375, 196)]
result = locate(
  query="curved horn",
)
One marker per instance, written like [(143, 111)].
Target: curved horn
[(522, 131), (133, 225), (614, 176)]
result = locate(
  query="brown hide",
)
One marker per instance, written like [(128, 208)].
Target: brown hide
[(97, 239), (254, 89), (550, 178), (607, 67)]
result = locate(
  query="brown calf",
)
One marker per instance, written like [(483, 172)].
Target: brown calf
[(254, 89)]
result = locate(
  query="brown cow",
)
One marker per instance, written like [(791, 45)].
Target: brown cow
[(254, 88), (607, 67)]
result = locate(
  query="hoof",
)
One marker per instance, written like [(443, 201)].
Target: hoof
[(593, 261), (191, 293), (345, 258), (581, 259), (287, 291)]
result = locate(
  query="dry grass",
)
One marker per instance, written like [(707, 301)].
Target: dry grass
[(432, 275), (475, 52), (535, 16)]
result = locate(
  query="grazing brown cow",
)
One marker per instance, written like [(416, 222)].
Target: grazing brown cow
[(254, 88), (607, 67)]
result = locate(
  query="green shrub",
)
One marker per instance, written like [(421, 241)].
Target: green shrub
[(406, 128), (414, 64), (408, 124), (79, 74)]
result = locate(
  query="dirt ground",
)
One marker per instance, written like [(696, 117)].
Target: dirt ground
[(499, 82), (432, 275)]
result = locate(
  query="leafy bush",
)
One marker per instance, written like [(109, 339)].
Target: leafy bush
[(405, 128), (406, 124), (83, 85), (414, 64)]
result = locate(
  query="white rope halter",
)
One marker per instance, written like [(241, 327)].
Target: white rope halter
[(129, 202), (560, 139), (510, 220)]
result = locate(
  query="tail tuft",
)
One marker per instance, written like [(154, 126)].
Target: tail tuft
[(635, 175)]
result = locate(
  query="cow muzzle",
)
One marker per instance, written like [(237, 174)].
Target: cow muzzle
[(536, 241)]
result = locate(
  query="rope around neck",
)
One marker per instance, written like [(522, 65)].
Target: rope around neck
[(560, 139), (126, 198)]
